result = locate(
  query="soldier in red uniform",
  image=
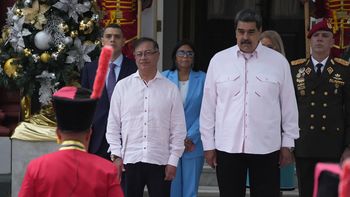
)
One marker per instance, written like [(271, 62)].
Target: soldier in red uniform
[(72, 171)]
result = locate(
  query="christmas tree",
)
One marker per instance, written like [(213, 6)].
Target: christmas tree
[(45, 43)]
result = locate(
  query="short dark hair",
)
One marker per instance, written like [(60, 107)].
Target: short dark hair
[(142, 40), (173, 54), (248, 15), (111, 25)]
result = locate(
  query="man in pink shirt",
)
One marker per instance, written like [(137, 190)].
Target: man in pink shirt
[(248, 97)]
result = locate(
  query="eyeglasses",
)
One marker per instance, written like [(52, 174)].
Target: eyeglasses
[(146, 53), (184, 53)]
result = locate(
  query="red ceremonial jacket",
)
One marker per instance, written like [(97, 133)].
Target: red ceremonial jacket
[(72, 173)]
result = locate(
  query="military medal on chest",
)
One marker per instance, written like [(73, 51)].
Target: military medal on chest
[(337, 81), (300, 79)]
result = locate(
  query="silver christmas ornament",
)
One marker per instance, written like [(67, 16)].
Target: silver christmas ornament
[(95, 17), (28, 3), (36, 57), (68, 41), (87, 4), (54, 55), (42, 40), (15, 18)]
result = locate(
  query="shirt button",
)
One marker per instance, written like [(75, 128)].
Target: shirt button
[(312, 116), (144, 136), (312, 127), (145, 97), (325, 93), (338, 129), (312, 103), (313, 92), (145, 110), (323, 128), (145, 123), (144, 147), (325, 105), (324, 116)]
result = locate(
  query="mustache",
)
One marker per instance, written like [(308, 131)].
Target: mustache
[(246, 42)]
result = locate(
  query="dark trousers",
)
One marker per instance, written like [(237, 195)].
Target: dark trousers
[(140, 174), (305, 172), (264, 174)]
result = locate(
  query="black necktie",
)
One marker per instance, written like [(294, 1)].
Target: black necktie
[(111, 80), (319, 66)]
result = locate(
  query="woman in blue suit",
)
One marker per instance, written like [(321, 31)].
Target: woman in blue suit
[(190, 82)]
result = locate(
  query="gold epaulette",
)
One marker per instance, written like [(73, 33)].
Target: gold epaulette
[(298, 62), (341, 61)]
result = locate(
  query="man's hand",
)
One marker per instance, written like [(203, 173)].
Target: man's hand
[(189, 146), (286, 156), (210, 157), (345, 155), (170, 172), (120, 167)]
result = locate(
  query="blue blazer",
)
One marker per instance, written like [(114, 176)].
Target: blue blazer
[(192, 107), (98, 142)]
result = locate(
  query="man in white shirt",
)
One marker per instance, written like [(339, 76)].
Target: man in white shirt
[(248, 97), (146, 125)]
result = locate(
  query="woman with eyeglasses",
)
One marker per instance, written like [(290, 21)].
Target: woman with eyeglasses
[(190, 81)]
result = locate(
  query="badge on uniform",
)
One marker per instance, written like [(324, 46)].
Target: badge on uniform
[(337, 81), (308, 70), (300, 79), (330, 70)]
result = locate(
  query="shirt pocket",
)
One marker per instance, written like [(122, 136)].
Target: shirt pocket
[(229, 86), (266, 86)]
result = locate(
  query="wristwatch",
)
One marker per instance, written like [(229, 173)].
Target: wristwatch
[(114, 157)]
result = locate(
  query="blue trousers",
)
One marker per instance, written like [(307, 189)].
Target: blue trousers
[(186, 181)]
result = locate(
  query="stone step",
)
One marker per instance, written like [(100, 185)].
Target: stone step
[(213, 191), (208, 176)]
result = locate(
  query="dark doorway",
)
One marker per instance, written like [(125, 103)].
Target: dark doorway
[(212, 29)]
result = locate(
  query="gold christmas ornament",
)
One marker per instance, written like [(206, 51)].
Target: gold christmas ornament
[(90, 27), (63, 27), (10, 68), (27, 52), (19, 12), (97, 42), (74, 33), (60, 47), (82, 25), (45, 57)]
